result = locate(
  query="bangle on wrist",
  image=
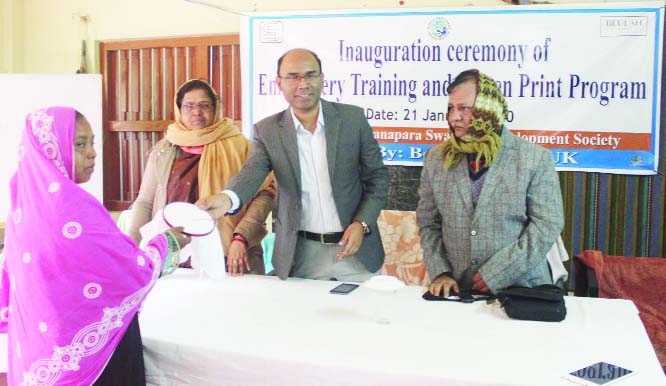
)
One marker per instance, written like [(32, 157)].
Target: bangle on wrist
[(240, 238), (173, 254)]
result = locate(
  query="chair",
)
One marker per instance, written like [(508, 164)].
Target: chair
[(404, 256), (267, 245), (556, 257), (402, 244), (123, 220), (639, 279)]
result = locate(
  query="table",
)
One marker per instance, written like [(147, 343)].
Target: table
[(259, 330)]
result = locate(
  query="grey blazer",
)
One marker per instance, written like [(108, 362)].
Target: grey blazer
[(506, 237), (359, 178)]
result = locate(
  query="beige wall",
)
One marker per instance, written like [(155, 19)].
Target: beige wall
[(11, 35), (44, 36)]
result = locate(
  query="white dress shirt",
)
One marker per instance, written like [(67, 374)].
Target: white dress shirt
[(318, 211)]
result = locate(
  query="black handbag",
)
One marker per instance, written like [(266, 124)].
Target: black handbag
[(544, 303)]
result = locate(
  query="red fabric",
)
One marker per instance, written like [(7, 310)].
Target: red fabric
[(640, 279)]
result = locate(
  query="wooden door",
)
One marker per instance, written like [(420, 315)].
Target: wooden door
[(140, 78)]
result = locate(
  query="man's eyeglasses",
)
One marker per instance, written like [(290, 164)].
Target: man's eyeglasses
[(296, 79), (189, 107)]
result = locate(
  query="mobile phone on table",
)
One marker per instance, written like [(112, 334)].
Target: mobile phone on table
[(344, 288), (600, 373)]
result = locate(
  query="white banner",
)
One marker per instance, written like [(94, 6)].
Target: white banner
[(583, 81)]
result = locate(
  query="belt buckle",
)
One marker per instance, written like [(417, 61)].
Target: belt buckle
[(322, 239)]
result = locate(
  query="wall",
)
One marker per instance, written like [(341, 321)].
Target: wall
[(11, 36), (33, 91), (49, 39), (623, 215)]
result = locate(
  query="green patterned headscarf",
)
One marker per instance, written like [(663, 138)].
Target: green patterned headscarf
[(484, 136)]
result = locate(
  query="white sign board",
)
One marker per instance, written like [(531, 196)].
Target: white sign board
[(581, 80)]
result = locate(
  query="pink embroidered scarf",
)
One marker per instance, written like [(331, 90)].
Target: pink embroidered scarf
[(71, 281)]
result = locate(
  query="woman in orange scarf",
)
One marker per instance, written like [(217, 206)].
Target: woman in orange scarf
[(200, 153)]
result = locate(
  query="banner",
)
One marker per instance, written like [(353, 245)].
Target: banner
[(583, 81)]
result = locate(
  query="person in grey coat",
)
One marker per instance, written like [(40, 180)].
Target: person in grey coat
[(332, 182), (490, 205)]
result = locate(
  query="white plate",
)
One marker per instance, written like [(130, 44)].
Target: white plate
[(195, 221), (384, 283)]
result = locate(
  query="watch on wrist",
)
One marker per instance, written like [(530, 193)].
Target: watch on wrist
[(366, 228)]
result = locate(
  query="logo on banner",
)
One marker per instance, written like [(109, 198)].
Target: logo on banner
[(637, 161), (439, 28), (624, 26)]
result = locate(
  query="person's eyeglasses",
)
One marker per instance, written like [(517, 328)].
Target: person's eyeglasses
[(296, 79), (203, 106)]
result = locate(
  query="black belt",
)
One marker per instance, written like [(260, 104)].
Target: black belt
[(324, 238)]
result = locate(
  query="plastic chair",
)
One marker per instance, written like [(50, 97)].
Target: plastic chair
[(123, 220), (267, 245)]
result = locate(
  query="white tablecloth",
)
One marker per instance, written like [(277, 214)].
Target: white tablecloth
[(258, 330)]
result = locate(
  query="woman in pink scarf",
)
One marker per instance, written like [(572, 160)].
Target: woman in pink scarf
[(71, 281)]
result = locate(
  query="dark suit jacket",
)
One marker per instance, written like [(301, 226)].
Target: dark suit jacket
[(359, 178)]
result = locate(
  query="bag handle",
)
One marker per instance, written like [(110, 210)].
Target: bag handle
[(546, 292), (464, 296)]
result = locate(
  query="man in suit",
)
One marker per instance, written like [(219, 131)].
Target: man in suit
[(490, 205), (332, 182)]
